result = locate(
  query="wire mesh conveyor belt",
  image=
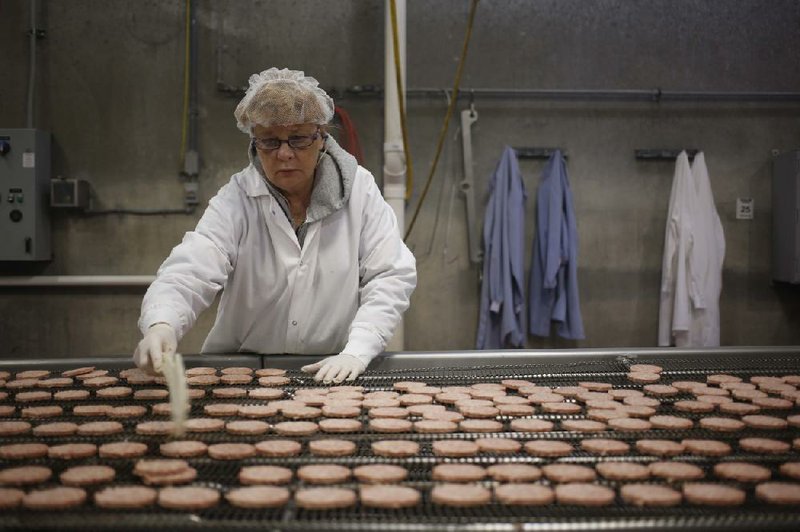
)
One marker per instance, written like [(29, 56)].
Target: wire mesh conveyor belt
[(558, 369)]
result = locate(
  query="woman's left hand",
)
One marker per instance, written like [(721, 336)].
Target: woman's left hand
[(336, 368)]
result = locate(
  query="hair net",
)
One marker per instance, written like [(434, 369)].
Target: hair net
[(283, 97)]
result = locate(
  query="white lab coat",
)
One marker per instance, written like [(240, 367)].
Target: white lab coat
[(706, 260), (343, 291), (694, 249), (674, 314)]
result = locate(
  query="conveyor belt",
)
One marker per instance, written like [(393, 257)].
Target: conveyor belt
[(550, 369)]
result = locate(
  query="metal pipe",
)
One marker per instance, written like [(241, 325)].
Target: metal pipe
[(77, 280), (651, 95), (219, 48), (643, 95), (32, 66), (193, 111), (394, 160), (139, 212)]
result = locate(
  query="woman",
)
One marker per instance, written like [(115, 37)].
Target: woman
[(307, 252)]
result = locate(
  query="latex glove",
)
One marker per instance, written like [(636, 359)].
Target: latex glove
[(336, 368), (159, 340)]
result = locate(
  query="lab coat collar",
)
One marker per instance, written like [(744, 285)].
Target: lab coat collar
[(332, 185)]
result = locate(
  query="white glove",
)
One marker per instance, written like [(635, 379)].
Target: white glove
[(337, 368), (159, 340)]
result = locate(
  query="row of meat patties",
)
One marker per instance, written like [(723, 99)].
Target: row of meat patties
[(722, 403), (381, 486)]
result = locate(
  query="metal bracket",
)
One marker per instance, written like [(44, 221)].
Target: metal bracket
[(537, 153), (469, 117), (663, 155)]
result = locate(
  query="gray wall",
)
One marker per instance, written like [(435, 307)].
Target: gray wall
[(110, 91)]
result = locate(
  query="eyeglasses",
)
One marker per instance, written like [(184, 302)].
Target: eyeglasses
[(296, 142)]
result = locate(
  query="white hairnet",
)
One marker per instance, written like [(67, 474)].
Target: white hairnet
[(283, 97)]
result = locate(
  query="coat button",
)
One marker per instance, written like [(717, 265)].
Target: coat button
[(294, 322)]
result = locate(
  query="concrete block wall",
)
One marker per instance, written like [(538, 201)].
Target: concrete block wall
[(109, 88)]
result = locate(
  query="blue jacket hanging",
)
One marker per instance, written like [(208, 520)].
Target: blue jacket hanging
[(501, 322), (553, 283)]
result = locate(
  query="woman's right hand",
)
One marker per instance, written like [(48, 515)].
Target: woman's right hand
[(159, 340)]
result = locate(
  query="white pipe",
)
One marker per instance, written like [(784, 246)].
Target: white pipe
[(394, 160), (78, 280)]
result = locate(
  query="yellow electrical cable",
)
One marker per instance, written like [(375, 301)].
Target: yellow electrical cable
[(450, 108), (401, 98), (185, 120)]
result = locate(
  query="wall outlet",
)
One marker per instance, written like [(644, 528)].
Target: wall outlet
[(744, 208)]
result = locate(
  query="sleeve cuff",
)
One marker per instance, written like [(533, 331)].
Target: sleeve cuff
[(363, 344), (162, 314)]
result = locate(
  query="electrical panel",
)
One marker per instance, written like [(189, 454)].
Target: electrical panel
[(24, 190), (786, 218)]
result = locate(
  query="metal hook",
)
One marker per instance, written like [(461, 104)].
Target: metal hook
[(472, 101)]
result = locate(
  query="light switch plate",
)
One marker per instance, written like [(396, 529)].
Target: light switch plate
[(744, 208)]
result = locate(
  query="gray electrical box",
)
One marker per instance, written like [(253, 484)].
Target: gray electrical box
[(24, 189), (69, 193), (786, 217)]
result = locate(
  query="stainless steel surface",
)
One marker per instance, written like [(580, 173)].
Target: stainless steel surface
[(122, 362), (432, 359), (394, 361)]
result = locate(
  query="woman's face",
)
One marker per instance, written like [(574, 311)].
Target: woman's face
[(289, 169)]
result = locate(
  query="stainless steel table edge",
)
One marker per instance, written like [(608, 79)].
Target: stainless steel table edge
[(428, 359)]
